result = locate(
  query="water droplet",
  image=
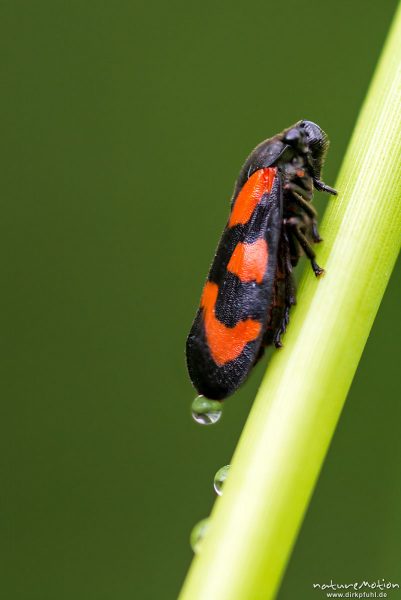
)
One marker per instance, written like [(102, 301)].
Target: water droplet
[(197, 535), (219, 479), (205, 411)]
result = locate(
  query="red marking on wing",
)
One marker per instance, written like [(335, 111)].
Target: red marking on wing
[(258, 184), (225, 343), (249, 261)]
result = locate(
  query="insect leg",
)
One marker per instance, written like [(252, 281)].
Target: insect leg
[(289, 293), (294, 188), (289, 301), (322, 187), (311, 212), (305, 205), (305, 245), (315, 233)]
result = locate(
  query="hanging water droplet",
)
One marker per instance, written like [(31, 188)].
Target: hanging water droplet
[(205, 411), (219, 479), (197, 535)]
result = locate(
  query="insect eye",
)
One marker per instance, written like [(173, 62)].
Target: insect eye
[(292, 136)]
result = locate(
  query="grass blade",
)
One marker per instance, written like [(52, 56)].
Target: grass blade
[(285, 440)]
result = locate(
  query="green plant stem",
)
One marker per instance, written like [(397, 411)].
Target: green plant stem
[(285, 440)]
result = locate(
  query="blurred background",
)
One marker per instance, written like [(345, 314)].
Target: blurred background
[(124, 127)]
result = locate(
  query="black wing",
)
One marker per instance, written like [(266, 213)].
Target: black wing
[(229, 327)]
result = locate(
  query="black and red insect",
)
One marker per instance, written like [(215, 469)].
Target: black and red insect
[(249, 291)]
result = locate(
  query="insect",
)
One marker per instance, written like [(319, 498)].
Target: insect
[(249, 291)]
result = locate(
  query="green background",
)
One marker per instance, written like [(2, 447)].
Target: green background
[(124, 127)]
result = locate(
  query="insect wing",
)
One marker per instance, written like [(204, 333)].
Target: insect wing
[(227, 333)]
